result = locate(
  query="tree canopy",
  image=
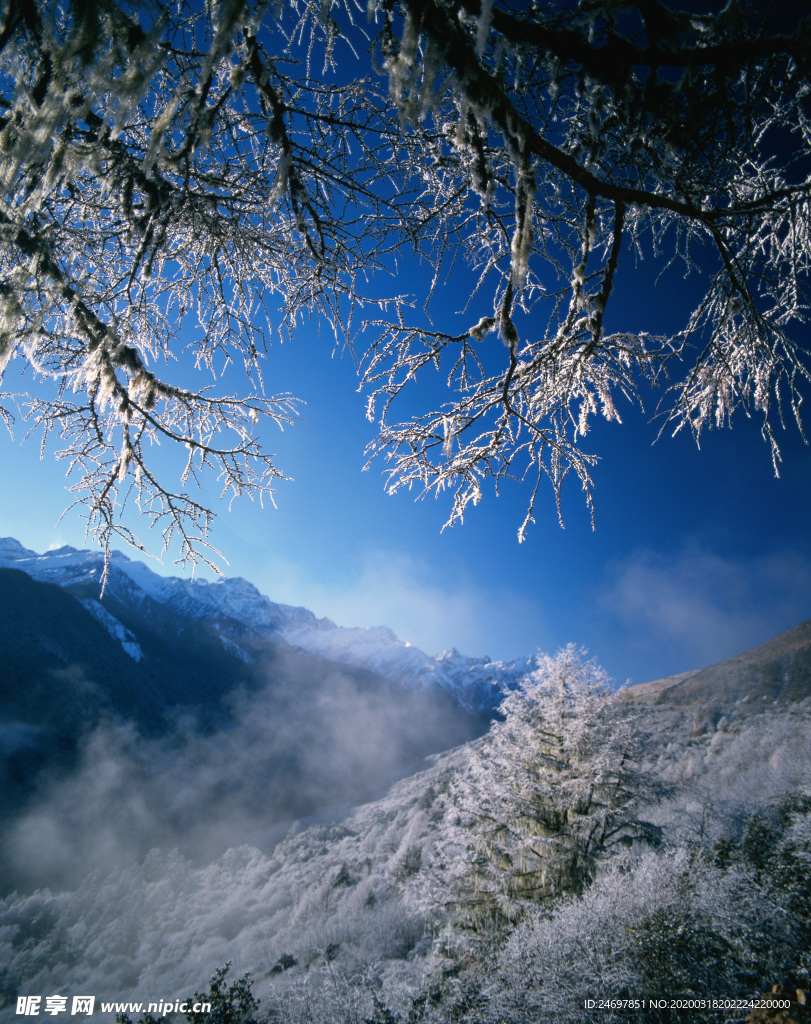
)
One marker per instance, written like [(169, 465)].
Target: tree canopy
[(198, 179), (554, 787)]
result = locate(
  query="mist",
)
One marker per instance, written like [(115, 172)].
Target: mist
[(314, 738)]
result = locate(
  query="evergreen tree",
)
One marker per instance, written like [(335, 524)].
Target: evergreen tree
[(553, 787)]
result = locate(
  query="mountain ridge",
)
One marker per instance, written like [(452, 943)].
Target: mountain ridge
[(476, 684), (778, 671), (83, 673)]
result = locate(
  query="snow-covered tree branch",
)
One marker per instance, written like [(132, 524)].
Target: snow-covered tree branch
[(183, 182)]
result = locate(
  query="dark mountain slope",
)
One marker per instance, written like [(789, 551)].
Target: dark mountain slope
[(778, 672), (61, 667), (306, 733)]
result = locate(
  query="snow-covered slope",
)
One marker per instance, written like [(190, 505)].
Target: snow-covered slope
[(239, 608), (775, 672), (336, 900)]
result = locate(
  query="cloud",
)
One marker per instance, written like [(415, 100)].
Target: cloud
[(407, 594), (315, 736), (694, 607)]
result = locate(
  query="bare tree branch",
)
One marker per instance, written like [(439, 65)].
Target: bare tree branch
[(188, 183)]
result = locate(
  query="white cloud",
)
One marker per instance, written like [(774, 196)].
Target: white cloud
[(408, 595), (700, 607)]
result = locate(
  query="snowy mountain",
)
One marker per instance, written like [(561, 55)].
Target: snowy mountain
[(241, 614), (158, 743), (286, 714)]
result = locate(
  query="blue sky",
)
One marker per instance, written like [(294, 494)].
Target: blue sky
[(696, 555)]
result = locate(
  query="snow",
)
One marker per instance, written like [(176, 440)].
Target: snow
[(12, 550), (61, 560), (159, 928), (117, 630), (155, 586), (475, 683), (366, 896)]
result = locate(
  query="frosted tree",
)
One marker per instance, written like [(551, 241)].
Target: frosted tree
[(176, 182), (186, 181), (672, 922), (552, 788), (566, 141)]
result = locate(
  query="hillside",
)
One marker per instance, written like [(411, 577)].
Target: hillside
[(778, 672), (160, 742), (149, 720), (353, 905)]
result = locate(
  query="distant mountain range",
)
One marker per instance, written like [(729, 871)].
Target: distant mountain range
[(318, 715), (237, 618), (185, 642)]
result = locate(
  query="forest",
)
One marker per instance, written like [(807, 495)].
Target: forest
[(591, 846)]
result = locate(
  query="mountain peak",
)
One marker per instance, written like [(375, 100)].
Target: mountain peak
[(10, 547)]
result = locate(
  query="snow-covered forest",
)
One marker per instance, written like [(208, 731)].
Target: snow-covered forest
[(593, 844), (421, 906)]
